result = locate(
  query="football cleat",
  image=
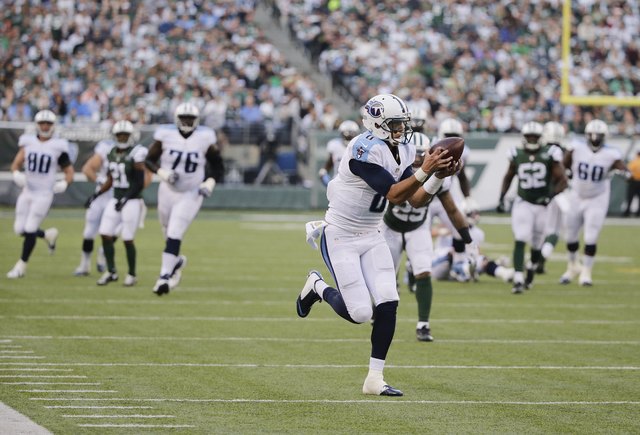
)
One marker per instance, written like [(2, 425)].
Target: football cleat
[(107, 277), (51, 235), (573, 269), (378, 387), (308, 295), (176, 275), (518, 288), (18, 270), (162, 285), (130, 280), (101, 261), (585, 277), (424, 334), (528, 281), (540, 268), (81, 271)]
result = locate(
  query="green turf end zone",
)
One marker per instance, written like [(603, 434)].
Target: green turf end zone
[(226, 353)]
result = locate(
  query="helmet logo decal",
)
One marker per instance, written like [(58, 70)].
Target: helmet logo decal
[(375, 109)]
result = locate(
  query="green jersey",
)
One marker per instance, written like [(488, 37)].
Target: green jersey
[(534, 170), (121, 167)]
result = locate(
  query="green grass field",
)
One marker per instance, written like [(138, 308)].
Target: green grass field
[(226, 353)]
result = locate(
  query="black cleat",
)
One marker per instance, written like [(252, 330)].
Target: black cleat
[(518, 288), (424, 334), (528, 280), (390, 391), (308, 295), (162, 285)]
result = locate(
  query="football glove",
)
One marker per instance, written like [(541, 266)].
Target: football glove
[(168, 175), (121, 202), (19, 178), (501, 208), (89, 200), (60, 186), (206, 187)]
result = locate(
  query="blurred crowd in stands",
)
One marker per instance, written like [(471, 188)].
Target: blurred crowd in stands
[(494, 64)]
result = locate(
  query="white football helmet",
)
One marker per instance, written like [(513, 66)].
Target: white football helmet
[(187, 117), (532, 135), (121, 128), (348, 130), (47, 117), (552, 133), (421, 142), (596, 132), (450, 127), (419, 116), (387, 117)]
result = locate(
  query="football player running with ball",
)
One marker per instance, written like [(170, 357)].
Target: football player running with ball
[(536, 166), (376, 169), (179, 155), (590, 164), (123, 211), (39, 155)]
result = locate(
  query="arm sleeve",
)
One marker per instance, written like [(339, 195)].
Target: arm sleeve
[(136, 183), (378, 178), (64, 160), (215, 166)]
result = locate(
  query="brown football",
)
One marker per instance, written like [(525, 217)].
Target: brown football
[(454, 145)]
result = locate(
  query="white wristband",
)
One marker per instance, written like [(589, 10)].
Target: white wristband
[(420, 175), (432, 185)]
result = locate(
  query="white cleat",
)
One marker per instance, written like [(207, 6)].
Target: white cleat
[(585, 277), (162, 286), (176, 276), (18, 270), (107, 277), (573, 270), (129, 280), (51, 235), (81, 271), (376, 386)]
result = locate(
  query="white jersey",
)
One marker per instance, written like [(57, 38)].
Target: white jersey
[(336, 148), (353, 204), (41, 161), (102, 149), (591, 169), (185, 156)]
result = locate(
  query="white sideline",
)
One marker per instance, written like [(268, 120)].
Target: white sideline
[(15, 423)]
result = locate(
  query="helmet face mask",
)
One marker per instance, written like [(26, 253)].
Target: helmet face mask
[(532, 136), (348, 130), (186, 117), (123, 133), (388, 119), (45, 123), (596, 132)]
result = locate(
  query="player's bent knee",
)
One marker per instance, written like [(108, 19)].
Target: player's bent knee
[(361, 314)]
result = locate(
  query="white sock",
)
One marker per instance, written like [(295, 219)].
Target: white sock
[(422, 324), (547, 249), (168, 263), (573, 257), (85, 260), (376, 366), (587, 261), (320, 286), (518, 277)]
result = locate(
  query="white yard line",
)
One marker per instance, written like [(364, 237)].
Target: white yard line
[(43, 376), (20, 357), (146, 426), (380, 400), (12, 422), (327, 340), (335, 366), (327, 319), (95, 407), (31, 369), (50, 383), (116, 416), (69, 391)]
